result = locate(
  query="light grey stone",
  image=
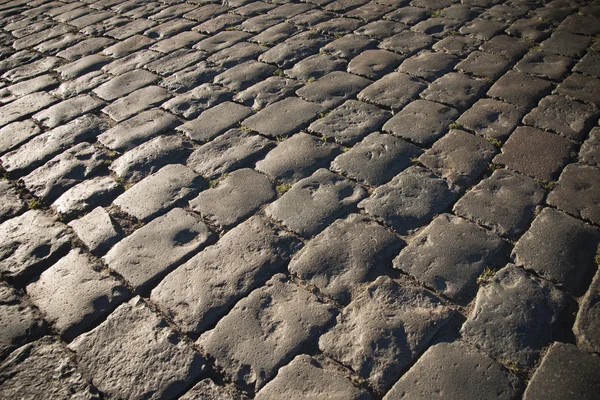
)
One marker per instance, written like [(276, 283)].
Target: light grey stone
[(97, 230), (87, 195)]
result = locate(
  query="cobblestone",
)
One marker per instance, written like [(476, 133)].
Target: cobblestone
[(88, 194), (97, 230), (10, 202)]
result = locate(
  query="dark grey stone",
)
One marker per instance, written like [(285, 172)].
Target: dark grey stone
[(457, 45), (305, 372), (377, 159), (206, 389), (587, 324), (312, 17), (149, 157), (486, 65), (128, 46), (31, 372), (223, 21), (449, 255), (97, 230), (520, 89), (294, 49), (232, 150), (267, 92), (244, 75), (350, 122), (345, 256), (284, 117), (275, 34), (314, 202), (504, 202), (314, 67), (160, 191), (590, 150), (507, 46), (370, 11), (190, 104), (338, 26), (394, 90), (10, 202), (578, 86), (214, 121), (455, 89), (233, 343), (111, 353), (373, 64), (507, 13), (492, 119), (421, 121), (566, 372), (67, 110), (138, 129), (530, 29), (236, 197), (30, 241), (203, 289), (544, 65), (333, 89), (25, 106), (461, 12), (236, 54), (262, 22), (190, 77), (12, 135), (566, 44), (437, 370), (65, 170), (482, 29), (515, 316), (535, 153), (437, 27), (174, 61), (560, 248), (87, 195), (179, 41), (75, 292), (348, 46), (407, 42), (459, 157), (408, 15), (135, 102), (580, 24), (381, 29), (410, 200), (297, 157), (383, 329), (428, 65), (589, 64)]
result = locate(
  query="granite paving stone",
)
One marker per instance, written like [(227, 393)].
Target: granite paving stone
[(80, 85), (590, 149), (482, 29), (31, 70), (186, 79), (536, 153), (428, 65), (206, 389), (314, 67), (163, 66), (111, 353), (274, 34), (124, 84), (565, 372), (236, 54), (190, 104), (214, 121), (350, 122), (455, 89), (25, 106), (267, 92), (589, 64), (373, 64), (458, 371), (75, 292), (263, 335), (136, 102), (515, 316), (46, 369), (11, 203), (381, 29), (483, 64), (97, 230), (586, 327), (323, 382), (394, 90), (492, 119), (333, 89), (155, 194), (294, 49), (581, 87), (449, 255), (376, 159), (345, 256), (22, 323), (457, 45), (348, 46), (128, 46), (82, 66), (559, 248), (221, 41), (408, 15), (222, 21), (201, 291), (84, 48), (520, 89), (544, 65), (410, 200), (244, 75), (407, 42), (314, 202), (262, 22), (235, 198), (530, 29), (67, 110), (87, 195), (580, 24), (566, 44), (338, 26), (17, 90), (130, 62), (383, 329), (232, 150), (30, 242), (179, 41)]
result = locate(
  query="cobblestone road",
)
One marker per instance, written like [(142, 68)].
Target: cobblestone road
[(313, 199)]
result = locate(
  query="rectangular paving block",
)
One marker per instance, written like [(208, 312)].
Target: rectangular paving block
[(191, 104), (124, 84), (133, 103), (25, 106), (16, 133), (214, 121), (394, 90), (97, 230), (87, 195), (577, 192), (67, 110), (11, 203), (333, 89)]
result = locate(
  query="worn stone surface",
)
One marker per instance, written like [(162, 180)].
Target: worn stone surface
[(267, 92), (314, 67), (206, 389), (111, 351), (383, 329), (520, 89), (25, 106), (428, 65), (190, 104), (456, 90), (314, 202), (560, 248), (515, 316), (203, 289), (333, 89), (437, 371), (264, 337), (135, 102), (87, 195), (97, 230), (394, 90), (215, 121), (10, 202), (491, 118), (577, 192), (544, 65), (75, 292), (14, 134), (67, 110), (587, 325), (373, 64)]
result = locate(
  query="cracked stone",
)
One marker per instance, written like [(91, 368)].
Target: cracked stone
[(587, 326), (577, 192), (25, 106), (581, 87)]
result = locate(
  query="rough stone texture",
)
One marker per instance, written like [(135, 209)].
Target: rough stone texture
[(43, 369), (410, 200), (297, 157), (373, 64), (459, 157), (160, 191), (535, 153), (456, 90), (515, 316), (348, 253), (492, 119), (135, 102), (153, 250), (504, 202), (560, 248), (449, 255), (428, 65), (589, 64), (111, 353), (215, 121), (236, 197), (265, 330), (314, 67), (88, 194), (520, 89), (314, 202), (14, 134), (244, 75), (486, 65), (581, 87), (383, 329), (590, 150), (203, 289), (377, 159), (284, 117), (186, 79), (578, 192), (21, 322), (67, 110), (333, 89), (566, 372), (459, 372), (294, 49), (566, 44), (232, 150), (97, 230), (206, 389), (587, 324), (10, 202), (350, 122), (422, 121), (190, 104), (407, 42), (75, 292), (125, 84), (307, 378), (394, 90), (544, 65), (267, 92)]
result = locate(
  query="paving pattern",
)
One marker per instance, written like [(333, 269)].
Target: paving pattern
[(299, 199)]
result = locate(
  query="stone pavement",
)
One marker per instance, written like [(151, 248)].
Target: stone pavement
[(299, 199)]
